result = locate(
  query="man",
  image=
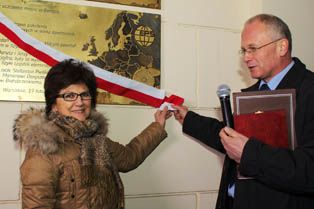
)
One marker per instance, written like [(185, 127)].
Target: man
[(280, 178)]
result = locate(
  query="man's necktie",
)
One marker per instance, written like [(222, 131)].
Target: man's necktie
[(264, 87)]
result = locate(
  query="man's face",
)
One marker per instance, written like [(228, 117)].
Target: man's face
[(263, 62)]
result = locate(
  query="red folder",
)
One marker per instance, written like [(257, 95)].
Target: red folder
[(269, 126)]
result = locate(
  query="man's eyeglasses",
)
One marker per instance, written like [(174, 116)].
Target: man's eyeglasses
[(71, 96), (252, 50)]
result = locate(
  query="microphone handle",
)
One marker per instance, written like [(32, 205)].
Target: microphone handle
[(226, 111)]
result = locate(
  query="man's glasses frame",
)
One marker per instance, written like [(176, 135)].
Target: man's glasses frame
[(252, 50), (71, 96)]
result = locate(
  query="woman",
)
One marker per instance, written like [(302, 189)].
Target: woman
[(70, 163)]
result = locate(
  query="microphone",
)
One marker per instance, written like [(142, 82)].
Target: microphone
[(228, 177), (223, 92)]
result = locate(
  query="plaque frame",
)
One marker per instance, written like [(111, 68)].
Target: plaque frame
[(255, 101)]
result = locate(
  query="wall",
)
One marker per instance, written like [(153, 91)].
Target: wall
[(200, 41)]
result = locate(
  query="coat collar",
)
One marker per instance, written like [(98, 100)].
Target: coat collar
[(292, 79), (32, 129)]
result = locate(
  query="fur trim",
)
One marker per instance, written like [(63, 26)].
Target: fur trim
[(101, 120), (32, 129)]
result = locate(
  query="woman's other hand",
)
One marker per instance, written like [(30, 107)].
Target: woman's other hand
[(162, 115)]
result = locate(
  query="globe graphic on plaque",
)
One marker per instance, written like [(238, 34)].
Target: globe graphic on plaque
[(144, 36)]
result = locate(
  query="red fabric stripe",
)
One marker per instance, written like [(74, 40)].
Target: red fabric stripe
[(26, 47), (130, 93), (174, 100)]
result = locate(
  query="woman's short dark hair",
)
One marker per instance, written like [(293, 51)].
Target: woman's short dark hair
[(64, 74)]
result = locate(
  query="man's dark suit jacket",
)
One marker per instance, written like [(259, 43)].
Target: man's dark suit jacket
[(283, 179)]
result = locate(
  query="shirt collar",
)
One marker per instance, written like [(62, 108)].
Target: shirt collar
[(274, 82)]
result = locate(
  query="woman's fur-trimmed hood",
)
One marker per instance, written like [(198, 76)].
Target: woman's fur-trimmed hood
[(33, 130)]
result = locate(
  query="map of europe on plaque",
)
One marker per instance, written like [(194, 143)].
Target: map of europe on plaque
[(122, 42), (155, 4)]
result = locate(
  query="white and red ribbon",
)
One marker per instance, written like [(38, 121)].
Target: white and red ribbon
[(106, 80)]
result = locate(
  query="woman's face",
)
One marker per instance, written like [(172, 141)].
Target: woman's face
[(74, 101)]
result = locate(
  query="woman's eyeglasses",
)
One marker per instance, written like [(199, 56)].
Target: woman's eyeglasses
[(71, 96)]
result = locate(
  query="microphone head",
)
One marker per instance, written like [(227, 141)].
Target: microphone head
[(223, 90)]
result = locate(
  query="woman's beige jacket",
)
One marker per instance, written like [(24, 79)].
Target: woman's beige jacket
[(51, 171)]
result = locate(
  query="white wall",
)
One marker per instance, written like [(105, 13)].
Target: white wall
[(200, 41), (299, 16)]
